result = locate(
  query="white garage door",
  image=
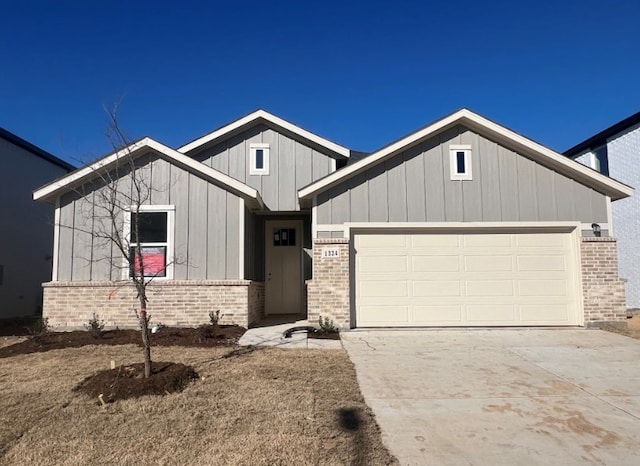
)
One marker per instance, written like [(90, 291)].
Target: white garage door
[(423, 279)]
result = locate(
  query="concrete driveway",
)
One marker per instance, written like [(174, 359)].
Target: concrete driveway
[(502, 397)]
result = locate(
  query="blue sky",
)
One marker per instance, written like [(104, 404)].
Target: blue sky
[(358, 73)]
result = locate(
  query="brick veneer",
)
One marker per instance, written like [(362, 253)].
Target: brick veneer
[(70, 305), (328, 291), (603, 290)]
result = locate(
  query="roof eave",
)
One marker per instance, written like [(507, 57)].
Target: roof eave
[(255, 118), (50, 192), (602, 183)]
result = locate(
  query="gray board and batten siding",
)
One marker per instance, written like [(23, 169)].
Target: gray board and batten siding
[(415, 186), (292, 165), (206, 229)]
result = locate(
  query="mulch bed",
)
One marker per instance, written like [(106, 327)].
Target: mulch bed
[(206, 336), (128, 381), (324, 335)]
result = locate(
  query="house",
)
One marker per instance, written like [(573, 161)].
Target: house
[(615, 152), (26, 228), (461, 223)]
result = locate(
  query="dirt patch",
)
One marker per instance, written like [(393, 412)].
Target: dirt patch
[(320, 335), (128, 381), (632, 330), (206, 336)]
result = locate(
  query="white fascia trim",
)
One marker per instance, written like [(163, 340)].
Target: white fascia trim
[(532, 226), (314, 217), (56, 241), (538, 149), (88, 172), (609, 216), (272, 119), (241, 240), (466, 116)]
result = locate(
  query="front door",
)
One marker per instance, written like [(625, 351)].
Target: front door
[(283, 264)]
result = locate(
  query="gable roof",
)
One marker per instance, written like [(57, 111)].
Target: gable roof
[(600, 139), (26, 145), (255, 118), (51, 191), (473, 121)]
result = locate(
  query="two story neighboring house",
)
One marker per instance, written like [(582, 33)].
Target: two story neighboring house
[(26, 228), (460, 223), (615, 152)]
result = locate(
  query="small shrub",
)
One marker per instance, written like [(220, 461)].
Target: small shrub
[(326, 325), (39, 328), (95, 327), (214, 317)]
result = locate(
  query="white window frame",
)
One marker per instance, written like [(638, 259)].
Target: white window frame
[(253, 170), (126, 235), (453, 162)]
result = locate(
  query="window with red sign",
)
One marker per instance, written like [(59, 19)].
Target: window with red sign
[(148, 245)]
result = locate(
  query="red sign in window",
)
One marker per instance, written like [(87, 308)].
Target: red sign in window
[(154, 259)]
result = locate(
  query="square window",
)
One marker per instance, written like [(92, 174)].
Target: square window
[(460, 162), (150, 238), (259, 159)]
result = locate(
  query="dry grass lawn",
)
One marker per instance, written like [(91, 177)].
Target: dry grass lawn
[(633, 327), (266, 407)]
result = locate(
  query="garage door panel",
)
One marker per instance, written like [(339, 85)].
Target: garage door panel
[(439, 314), (489, 288), (545, 241), (467, 279), (434, 288), (386, 315), (557, 313), (546, 263), (434, 241), (383, 288), (487, 241), (488, 264), (542, 288), (384, 264), (382, 241), (491, 313), (424, 263)]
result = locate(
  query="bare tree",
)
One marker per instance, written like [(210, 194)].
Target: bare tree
[(114, 200)]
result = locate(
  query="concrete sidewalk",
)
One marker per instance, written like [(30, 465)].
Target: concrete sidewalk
[(502, 397), (272, 336)]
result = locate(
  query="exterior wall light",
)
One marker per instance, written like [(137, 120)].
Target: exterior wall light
[(597, 231)]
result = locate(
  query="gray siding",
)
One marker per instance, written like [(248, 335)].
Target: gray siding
[(206, 228), (26, 230), (292, 165), (415, 186)]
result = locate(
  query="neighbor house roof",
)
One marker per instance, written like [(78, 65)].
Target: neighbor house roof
[(498, 133), (51, 191), (601, 138), (258, 117), (26, 145)]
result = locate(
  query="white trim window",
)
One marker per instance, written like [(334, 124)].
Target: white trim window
[(259, 159), (460, 162), (154, 238)]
